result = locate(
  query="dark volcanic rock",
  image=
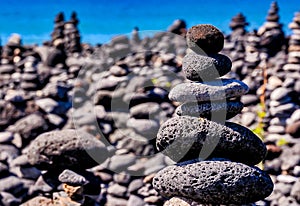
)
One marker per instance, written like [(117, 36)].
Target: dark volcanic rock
[(205, 36), (210, 110), (182, 138), (210, 91), (201, 68), (214, 182), (66, 149)]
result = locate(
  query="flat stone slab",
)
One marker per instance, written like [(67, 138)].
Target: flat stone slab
[(211, 110), (182, 138), (72, 149), (208, 91), (214, 182), (203, 68)]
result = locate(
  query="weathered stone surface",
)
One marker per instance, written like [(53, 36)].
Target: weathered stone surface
[(39, 200), (66, 149), (214, 182), (211, 110), (176, 201), (72, 178), (210, 91), (202, 68), (205, 36), (182, 138)]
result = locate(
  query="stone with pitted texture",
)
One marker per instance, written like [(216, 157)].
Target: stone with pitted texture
[(72, 178), (66, 149), (182, 138), (214, 182), (205, 37), (200, 131)]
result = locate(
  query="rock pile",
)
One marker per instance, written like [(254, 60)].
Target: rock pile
[(237, 25), (72, 36), (67, 154), (58, 31), (271, 33), (67, 33), (228, 176), (283, 92)]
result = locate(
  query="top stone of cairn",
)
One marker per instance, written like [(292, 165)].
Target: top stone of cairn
[(205, 38)]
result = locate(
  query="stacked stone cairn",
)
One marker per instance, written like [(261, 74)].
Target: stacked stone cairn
[(293, 65), (271, 33), (72, 36), (235, 43), (291, 84), (227, 175), (237, 25), (67, 32), (66, 154), (58, 32)]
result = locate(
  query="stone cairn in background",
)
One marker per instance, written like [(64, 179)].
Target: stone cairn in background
[(67, 32), (293, 66), (72, 36), (234, 43), (228, 176), (58, 32), (282, 90), (271, 33), (237, 25)]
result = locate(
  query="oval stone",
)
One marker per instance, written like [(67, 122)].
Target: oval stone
[(203, 68), (208, 91), (63, 149), (182, 138), (214, 182), (210, 110)]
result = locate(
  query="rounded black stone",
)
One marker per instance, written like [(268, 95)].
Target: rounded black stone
[(66, 149), (205, 37)]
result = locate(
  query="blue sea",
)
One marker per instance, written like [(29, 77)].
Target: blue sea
[(100, 20)]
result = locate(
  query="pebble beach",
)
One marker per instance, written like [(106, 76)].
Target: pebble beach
[(122, 122)]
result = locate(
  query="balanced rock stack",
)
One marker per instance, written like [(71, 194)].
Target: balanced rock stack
[(271, 33), (58, 32), (30, 79), (67, 154), (228, 175), (293, 67), (237, 25), (72, 35)]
